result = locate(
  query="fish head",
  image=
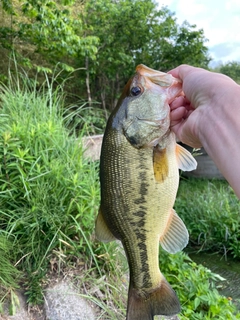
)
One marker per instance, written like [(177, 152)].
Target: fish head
[(146, 116)]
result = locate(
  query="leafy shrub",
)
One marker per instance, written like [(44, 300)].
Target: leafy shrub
[(194, 284), (49, 195), (9, 274), (210, 210), (46, 184), (195, 287), (90, 119)]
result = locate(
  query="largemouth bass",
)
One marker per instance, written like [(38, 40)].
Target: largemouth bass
[(139, 179)]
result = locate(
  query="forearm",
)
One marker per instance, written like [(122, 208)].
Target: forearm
[(220, 135)]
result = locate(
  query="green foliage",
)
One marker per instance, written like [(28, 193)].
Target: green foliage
[(194, 284), (111, 283), (48, 28), (8, 273), (46, 184), (14, 303), (90, 119), (54, 30), (210, 210), (133, 32), (231, 69), (49, 196), (195, 287), (103, 39), (8, 6)]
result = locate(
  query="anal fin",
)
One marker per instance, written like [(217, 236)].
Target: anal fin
[(175, 236), (102, 231)]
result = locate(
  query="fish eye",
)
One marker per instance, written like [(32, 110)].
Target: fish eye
[(135, 91)]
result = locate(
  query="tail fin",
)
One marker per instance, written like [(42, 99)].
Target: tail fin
[(162, 301)]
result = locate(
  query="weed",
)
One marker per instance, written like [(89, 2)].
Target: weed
[(210, 210), (8, 273), (46, 184), (195, 287), (49, 196)]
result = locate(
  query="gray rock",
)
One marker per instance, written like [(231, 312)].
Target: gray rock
[(63, 302), (21, 309)]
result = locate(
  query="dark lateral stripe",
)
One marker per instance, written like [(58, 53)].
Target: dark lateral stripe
[(138, 222)]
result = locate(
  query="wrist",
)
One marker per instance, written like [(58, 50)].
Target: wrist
[(220, 116)]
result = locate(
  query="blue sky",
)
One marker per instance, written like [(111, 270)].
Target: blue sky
[(220, 20)]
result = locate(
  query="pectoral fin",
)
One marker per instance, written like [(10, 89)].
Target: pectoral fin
[(175, 236), (160, 164), (185, 160), (102, 231)]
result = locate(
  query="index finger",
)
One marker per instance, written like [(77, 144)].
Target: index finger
[(181, 71)]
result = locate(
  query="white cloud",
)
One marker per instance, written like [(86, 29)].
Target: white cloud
[(220, 21)]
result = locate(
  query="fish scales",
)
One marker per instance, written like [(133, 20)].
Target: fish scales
[(139, 181), (136, 198)]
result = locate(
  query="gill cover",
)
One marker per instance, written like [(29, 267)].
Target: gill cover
[(146, 107)]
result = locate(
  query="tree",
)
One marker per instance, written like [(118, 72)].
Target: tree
[(48, 28), (178, 44), (132, 32), (121, 27), (105, 39), (231, 69)]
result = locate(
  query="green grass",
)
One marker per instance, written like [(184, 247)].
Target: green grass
[(196, 288), (49, 197), (46, 184), (210, 210)]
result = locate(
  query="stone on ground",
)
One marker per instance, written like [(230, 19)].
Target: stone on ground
[(63, 302)]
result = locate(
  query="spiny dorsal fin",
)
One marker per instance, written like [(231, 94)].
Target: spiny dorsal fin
[(185, 160), (175, 236), (102, 231)]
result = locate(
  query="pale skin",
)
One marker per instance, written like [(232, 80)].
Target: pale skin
[(208, 115)]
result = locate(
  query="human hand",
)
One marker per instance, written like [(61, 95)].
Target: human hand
[(203, 94)]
